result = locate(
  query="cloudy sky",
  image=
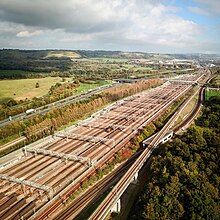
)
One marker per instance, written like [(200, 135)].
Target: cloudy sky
[(175, 26)]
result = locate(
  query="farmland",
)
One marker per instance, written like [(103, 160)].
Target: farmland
[(116, 60), (211, 93), (25, 88), (16, 64), (86, 86), (62, 54)]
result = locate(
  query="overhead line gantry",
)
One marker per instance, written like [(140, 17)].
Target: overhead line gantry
[(63, 156), (93, 139)]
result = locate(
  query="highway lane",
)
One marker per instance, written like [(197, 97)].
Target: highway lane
[(56, 105)]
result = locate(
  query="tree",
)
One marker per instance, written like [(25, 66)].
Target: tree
[(37, 85)]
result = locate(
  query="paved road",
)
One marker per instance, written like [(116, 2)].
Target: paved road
[(55, 105)]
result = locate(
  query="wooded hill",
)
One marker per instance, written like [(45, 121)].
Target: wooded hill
[(48, 61)]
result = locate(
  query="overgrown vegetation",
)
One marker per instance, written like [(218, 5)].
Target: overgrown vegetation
[(12, 148), (184, 179)]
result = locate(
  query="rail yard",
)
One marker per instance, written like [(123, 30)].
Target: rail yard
[(113, 198), (38, 183)]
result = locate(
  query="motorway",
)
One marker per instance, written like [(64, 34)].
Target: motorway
[(37, 185), (55, 105)]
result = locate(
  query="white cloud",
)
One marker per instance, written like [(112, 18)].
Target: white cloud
[(28, 33), (146, 25), (162, 27), (10, 27)]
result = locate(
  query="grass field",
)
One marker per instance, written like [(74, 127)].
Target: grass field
[(84, 86), (142, 68), (174, 71), (8, 139), (211, 93), (25, 88), (216, 81), (59, 54)]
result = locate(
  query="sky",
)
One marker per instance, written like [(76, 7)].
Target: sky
[(158, 26)]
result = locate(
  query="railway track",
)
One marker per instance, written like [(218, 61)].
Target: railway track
[(192, 115), (117, 191), (12, 143), (63, 177), (94, 192)]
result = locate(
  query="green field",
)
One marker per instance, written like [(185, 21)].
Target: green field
[(211, 93), (215, 81), (141, 68), (25, 88), (8, 139), (85, 86), (184, 71), (59, 54)]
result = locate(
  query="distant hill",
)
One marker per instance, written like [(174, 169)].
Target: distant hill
[(36, 60), (73, 54), (122, 55), (60, 60)]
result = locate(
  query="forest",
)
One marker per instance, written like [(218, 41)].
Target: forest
[(183, 181)]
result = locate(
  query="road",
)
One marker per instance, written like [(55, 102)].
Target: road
[(55, 105)]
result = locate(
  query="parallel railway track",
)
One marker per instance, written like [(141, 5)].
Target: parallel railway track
[(64, 178), (101, 212)]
